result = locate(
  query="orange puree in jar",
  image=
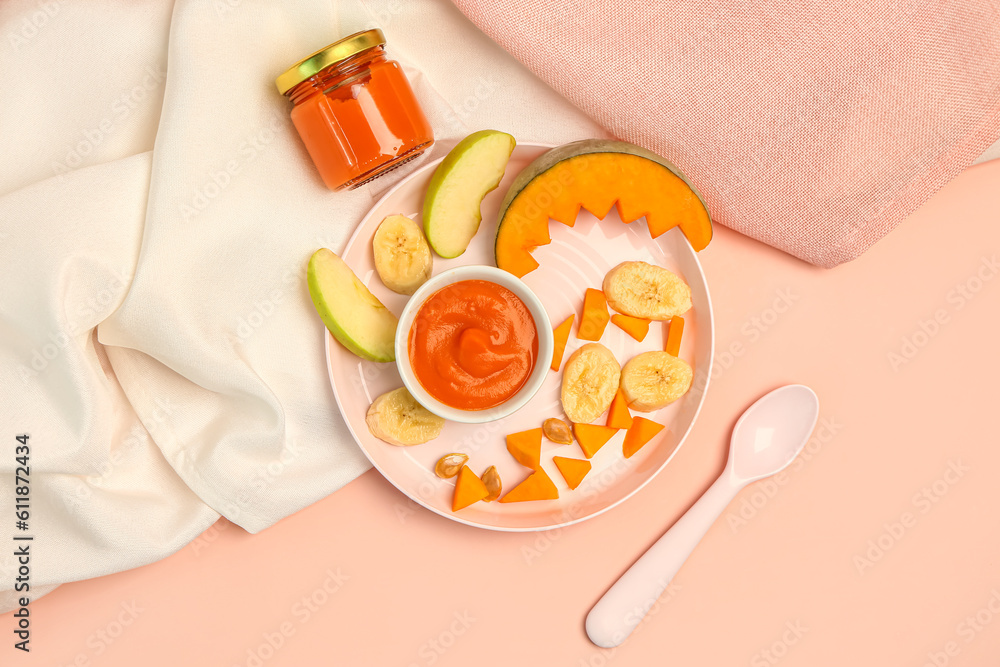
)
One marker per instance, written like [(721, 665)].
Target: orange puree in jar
[(473, 344), (355, 111)]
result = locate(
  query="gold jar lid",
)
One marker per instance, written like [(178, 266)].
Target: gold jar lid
[(340, 50)]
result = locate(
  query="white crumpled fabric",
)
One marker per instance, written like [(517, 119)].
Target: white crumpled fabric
[(157, 211)]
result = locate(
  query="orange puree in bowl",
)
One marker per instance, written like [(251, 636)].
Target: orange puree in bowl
[(473, 344)]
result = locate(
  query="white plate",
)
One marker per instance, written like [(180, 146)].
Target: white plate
[(577, 258)]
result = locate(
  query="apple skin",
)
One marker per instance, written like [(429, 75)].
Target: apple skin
[(349, 310), (451, 212)]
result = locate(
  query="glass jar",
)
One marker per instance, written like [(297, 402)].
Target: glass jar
[(355, 111)]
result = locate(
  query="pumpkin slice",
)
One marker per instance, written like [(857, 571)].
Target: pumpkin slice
[(674, 333), (595, 316), (642, 431), (538, 486), (526, 447), (573, 470), (636, 327), (592, 437), (559, 337), (468, 489), (597, 175), (618, 415)]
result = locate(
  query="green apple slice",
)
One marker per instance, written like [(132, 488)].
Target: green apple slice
[(349, 310), (471, 170)]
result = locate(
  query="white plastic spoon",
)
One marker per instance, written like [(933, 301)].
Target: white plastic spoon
[(765, 440)]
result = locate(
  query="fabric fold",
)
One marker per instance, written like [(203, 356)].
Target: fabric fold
[(159, 215)]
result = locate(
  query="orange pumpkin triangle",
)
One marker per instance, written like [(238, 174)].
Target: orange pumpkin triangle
[(618, 414), (595, 316), (526, 447), (634, 326), (674, 333), (538, 486), (641, 432), (573, 470), (559, 337), (468, 489), (592, 437)]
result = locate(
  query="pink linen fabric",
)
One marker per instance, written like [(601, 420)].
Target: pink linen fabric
[(815, 127)]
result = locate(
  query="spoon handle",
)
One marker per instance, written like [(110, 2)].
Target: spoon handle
[(626, 603)]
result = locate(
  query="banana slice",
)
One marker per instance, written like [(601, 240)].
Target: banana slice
[(590, 381), (652, 380), (647, 291), (397, 418), (402, 257)]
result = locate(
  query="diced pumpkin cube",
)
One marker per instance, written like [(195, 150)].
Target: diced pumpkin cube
[(674, 333), (595, 316), (538, 486), (468, 489), (559, 337), (636, 327), (642, 431), (573, 470), (592, 437), (618, 415), (526, 447)]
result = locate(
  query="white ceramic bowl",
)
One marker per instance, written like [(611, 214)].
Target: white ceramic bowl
[(542, 325)]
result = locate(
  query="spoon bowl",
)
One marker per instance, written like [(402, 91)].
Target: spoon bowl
[(772, 432)]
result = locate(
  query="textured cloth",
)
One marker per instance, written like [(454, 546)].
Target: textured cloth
[(157, 211), (815, 127)]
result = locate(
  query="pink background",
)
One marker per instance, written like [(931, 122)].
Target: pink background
[(421, 590)]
